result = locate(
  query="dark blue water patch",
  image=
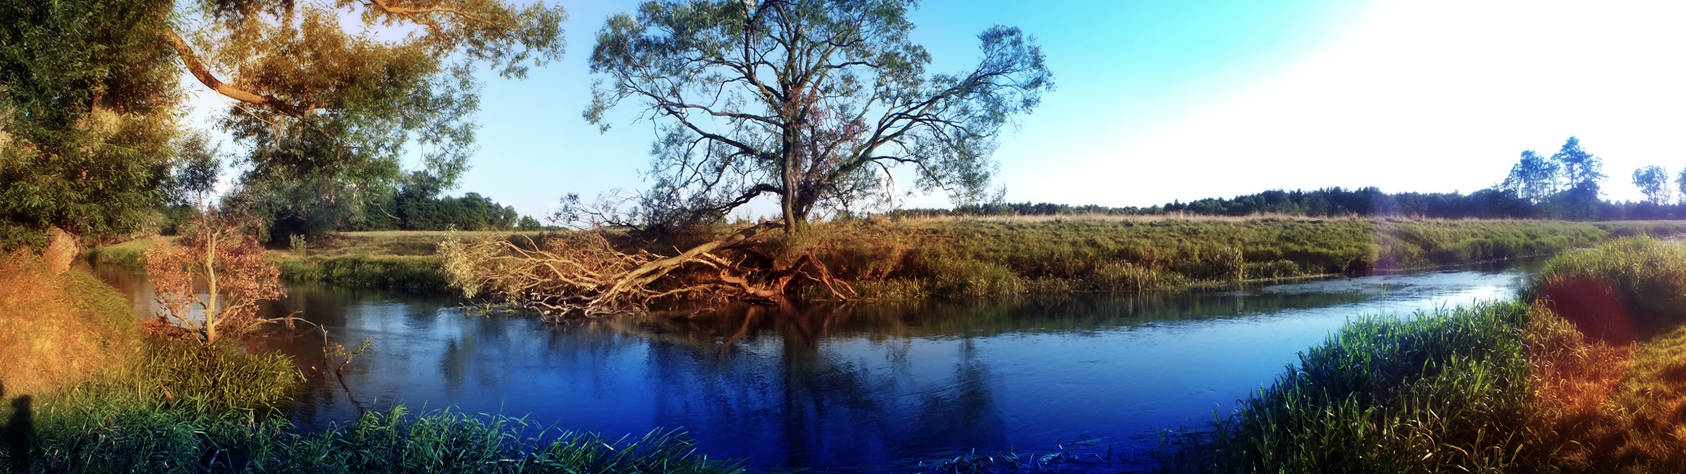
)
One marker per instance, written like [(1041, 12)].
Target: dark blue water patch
[(849, 386)]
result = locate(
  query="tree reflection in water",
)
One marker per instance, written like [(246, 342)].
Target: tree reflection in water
[(840, 386)]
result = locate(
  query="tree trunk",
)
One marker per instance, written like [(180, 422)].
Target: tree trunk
[(792, 193), (211, 301)]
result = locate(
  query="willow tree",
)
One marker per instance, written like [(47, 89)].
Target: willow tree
[(87, 114), (327, 90), (811, 101), (331, 107)]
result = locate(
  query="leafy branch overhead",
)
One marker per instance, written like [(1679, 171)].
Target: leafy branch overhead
[(321, 97), (809, 101), (323, 90)]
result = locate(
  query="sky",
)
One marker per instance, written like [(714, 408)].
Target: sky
[(1179, 100)]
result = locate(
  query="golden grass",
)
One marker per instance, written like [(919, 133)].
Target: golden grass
[(57, 330)]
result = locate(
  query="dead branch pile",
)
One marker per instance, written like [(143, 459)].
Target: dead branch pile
[(583, 274)]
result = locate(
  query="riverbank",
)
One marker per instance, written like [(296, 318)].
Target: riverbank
[(924, 258), (1582, 372), (82, 389)]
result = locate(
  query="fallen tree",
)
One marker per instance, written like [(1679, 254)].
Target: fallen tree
[(584, 274)]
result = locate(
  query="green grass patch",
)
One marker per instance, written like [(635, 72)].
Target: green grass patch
[(130, 254), (403, 273), (955, 257), (1443, 391), (1586, 372)]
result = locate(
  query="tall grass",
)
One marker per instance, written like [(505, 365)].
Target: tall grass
[(194, 408), (1531, 385), (156, 405), (971, 257), (401, 273), (1442, 391)]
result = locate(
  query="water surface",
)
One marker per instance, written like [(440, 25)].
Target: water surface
[(845, 387)]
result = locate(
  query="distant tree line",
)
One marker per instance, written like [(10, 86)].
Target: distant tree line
[(1564, 185), (310, 208)]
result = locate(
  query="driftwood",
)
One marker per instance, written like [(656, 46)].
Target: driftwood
[(583, 274)]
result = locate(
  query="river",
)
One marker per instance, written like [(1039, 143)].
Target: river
[(848, 387)]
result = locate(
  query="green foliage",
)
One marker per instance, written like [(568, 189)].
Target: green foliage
[(734, 126), (1648, 276), (87, 103), (470, 212), (105, 427), (392, 273), (14, 237), (1653, 182), (218, 377), (367, 99), (1438, 392), (1532, 178), (444, 441), (297, 243), (973, 257)]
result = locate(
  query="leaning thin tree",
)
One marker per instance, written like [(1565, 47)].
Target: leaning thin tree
[(809, 101)]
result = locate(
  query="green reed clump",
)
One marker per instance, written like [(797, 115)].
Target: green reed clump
[(1648, 276), (421, 274), (104, 428), (218, 377), (1443, 391), (176, 405), (398, 441)]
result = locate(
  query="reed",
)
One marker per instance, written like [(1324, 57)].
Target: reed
[(1439, 391)]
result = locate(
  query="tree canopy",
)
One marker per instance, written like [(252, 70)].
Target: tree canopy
[(1533, 177), (810, 101), (330, 92), (87, 113), (1652, 181)]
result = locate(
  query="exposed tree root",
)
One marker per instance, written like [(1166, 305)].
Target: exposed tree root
[(582, 274)]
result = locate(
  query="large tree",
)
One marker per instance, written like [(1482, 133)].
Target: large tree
[(333, 90), (1580, 168), (87, 113), (1582, 171), (1680, 184), (1653, 182), (1533, 178), (810, 101)]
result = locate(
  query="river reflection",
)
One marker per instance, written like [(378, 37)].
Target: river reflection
[(844, 387)]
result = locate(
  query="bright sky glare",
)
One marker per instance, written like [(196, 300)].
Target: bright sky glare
[(1160, 101)]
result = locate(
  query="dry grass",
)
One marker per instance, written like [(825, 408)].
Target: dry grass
[(57, 330)]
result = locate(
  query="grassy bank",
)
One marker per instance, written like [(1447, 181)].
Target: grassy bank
[(968, 257), (82, 389), (922, 258), (1583, 373)]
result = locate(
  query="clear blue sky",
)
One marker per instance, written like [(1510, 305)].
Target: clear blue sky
[(1163, 100)]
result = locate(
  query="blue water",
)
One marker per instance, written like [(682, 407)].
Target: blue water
[(851, 387)]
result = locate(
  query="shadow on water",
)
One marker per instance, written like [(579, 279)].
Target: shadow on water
[(849, 386)]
